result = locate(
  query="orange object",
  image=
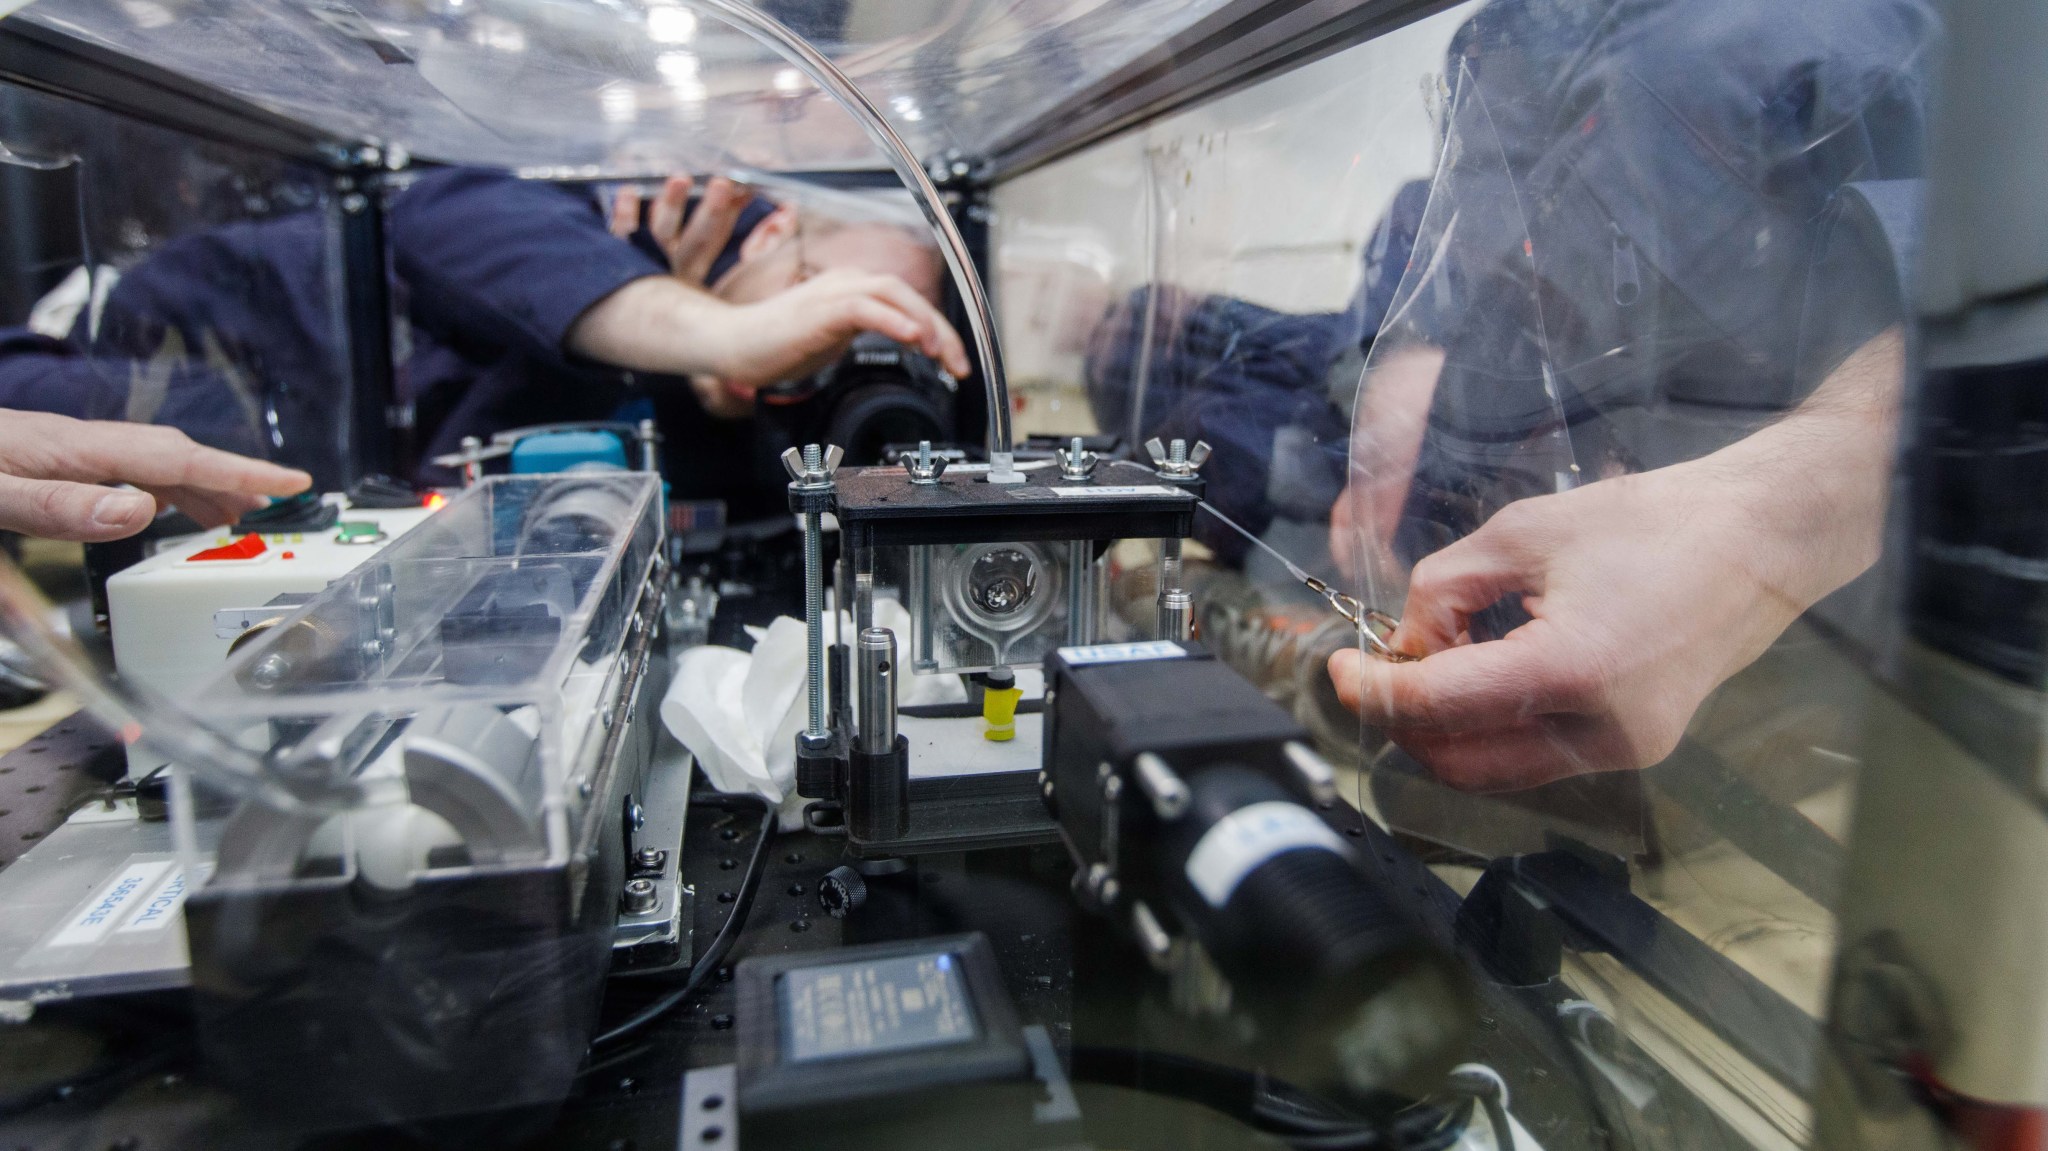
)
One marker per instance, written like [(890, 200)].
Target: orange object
[(286, 556), (247, 548), (433, 501)]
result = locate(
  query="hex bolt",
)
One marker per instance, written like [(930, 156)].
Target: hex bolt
[(650, 858)]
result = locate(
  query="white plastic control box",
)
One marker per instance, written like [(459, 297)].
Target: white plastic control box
[(162, 611)]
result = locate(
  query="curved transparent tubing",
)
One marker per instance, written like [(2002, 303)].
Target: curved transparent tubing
[(980, 319), (136, 715)]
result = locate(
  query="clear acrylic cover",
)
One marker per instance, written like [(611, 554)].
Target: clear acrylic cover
[(1572, 335), (470, 666), (577, 86)]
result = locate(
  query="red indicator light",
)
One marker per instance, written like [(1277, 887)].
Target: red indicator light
[(433, 501)]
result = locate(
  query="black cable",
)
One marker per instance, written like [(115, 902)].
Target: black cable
[(1272, 1106), (1497, 1116), (721, 943)]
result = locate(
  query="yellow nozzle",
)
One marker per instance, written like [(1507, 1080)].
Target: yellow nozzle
[(999, 709)]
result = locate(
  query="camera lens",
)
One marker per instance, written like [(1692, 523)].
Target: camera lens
[(1001, 581)]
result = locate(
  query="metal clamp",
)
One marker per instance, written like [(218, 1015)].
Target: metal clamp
[(1375, 627)]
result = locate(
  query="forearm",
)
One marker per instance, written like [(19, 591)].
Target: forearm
[(1813, 486), (653, 324)]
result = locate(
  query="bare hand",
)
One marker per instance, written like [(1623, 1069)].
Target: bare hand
[(692, 245), (1642, 604), (52, 469), (1645, 591), (796, 332)]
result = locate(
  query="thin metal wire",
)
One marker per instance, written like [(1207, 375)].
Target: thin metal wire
[(980, 318), (1375, 627)]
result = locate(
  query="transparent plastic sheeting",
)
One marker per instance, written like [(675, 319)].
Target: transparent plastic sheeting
[(1571, 333), (590, 88), (182, 344), (496, 623)]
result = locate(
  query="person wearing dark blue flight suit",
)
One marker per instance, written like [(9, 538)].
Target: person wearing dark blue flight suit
[(522, 305), (1268, 390), (1635, 413)]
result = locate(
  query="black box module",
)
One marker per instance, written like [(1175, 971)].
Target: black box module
[(1116, 700), (880, 1021)]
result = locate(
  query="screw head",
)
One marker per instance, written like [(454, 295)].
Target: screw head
[(641, 896)]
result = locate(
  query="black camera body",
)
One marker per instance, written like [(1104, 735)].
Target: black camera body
[(879, 393)]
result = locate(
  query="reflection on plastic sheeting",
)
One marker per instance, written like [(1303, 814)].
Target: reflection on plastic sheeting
[(1618, 339), (522, 83)]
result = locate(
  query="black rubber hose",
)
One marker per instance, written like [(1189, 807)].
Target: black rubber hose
[(728, 934)]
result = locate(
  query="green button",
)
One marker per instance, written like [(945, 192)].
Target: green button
[(358, 532)]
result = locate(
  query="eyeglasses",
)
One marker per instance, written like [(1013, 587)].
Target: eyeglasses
[(804, 268)]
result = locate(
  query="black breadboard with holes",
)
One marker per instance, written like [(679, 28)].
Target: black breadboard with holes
[(880, 507), (44, 780)]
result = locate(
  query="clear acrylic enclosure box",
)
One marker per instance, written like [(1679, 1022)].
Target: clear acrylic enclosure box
[(450, 696)]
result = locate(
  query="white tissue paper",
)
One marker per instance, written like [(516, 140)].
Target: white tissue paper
[(740, 713)]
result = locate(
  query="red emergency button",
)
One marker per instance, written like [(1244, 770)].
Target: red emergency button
[(247, 548)]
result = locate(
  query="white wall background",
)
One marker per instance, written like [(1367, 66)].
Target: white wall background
[(1266, 195)]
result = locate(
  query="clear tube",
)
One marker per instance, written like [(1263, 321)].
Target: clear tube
[(980, 318), (137, 715)]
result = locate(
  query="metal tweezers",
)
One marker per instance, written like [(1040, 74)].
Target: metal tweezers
[(1374, 626)]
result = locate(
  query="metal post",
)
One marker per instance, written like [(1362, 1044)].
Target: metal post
[(1081, 591), (877, 691), (650, 446), (1176, 606), (921, 607), (814, 604), (863, 590)]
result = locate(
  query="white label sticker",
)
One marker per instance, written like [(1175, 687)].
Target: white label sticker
[(107, 906), (1112, 491), (1122, 652), (161, 910), (1248, 837)]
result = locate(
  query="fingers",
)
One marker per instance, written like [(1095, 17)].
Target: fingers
[(210, 509), (709, 229), (148, 456), (54, 509), (625, 217), (1539, 752), (1520, 747), (1473, 687), (722, 398), (868, 314), (1469, 576), (936, 337), (665, 215)]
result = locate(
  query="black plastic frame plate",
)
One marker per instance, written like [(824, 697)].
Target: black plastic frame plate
[(880, 507), (769, 1083)]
